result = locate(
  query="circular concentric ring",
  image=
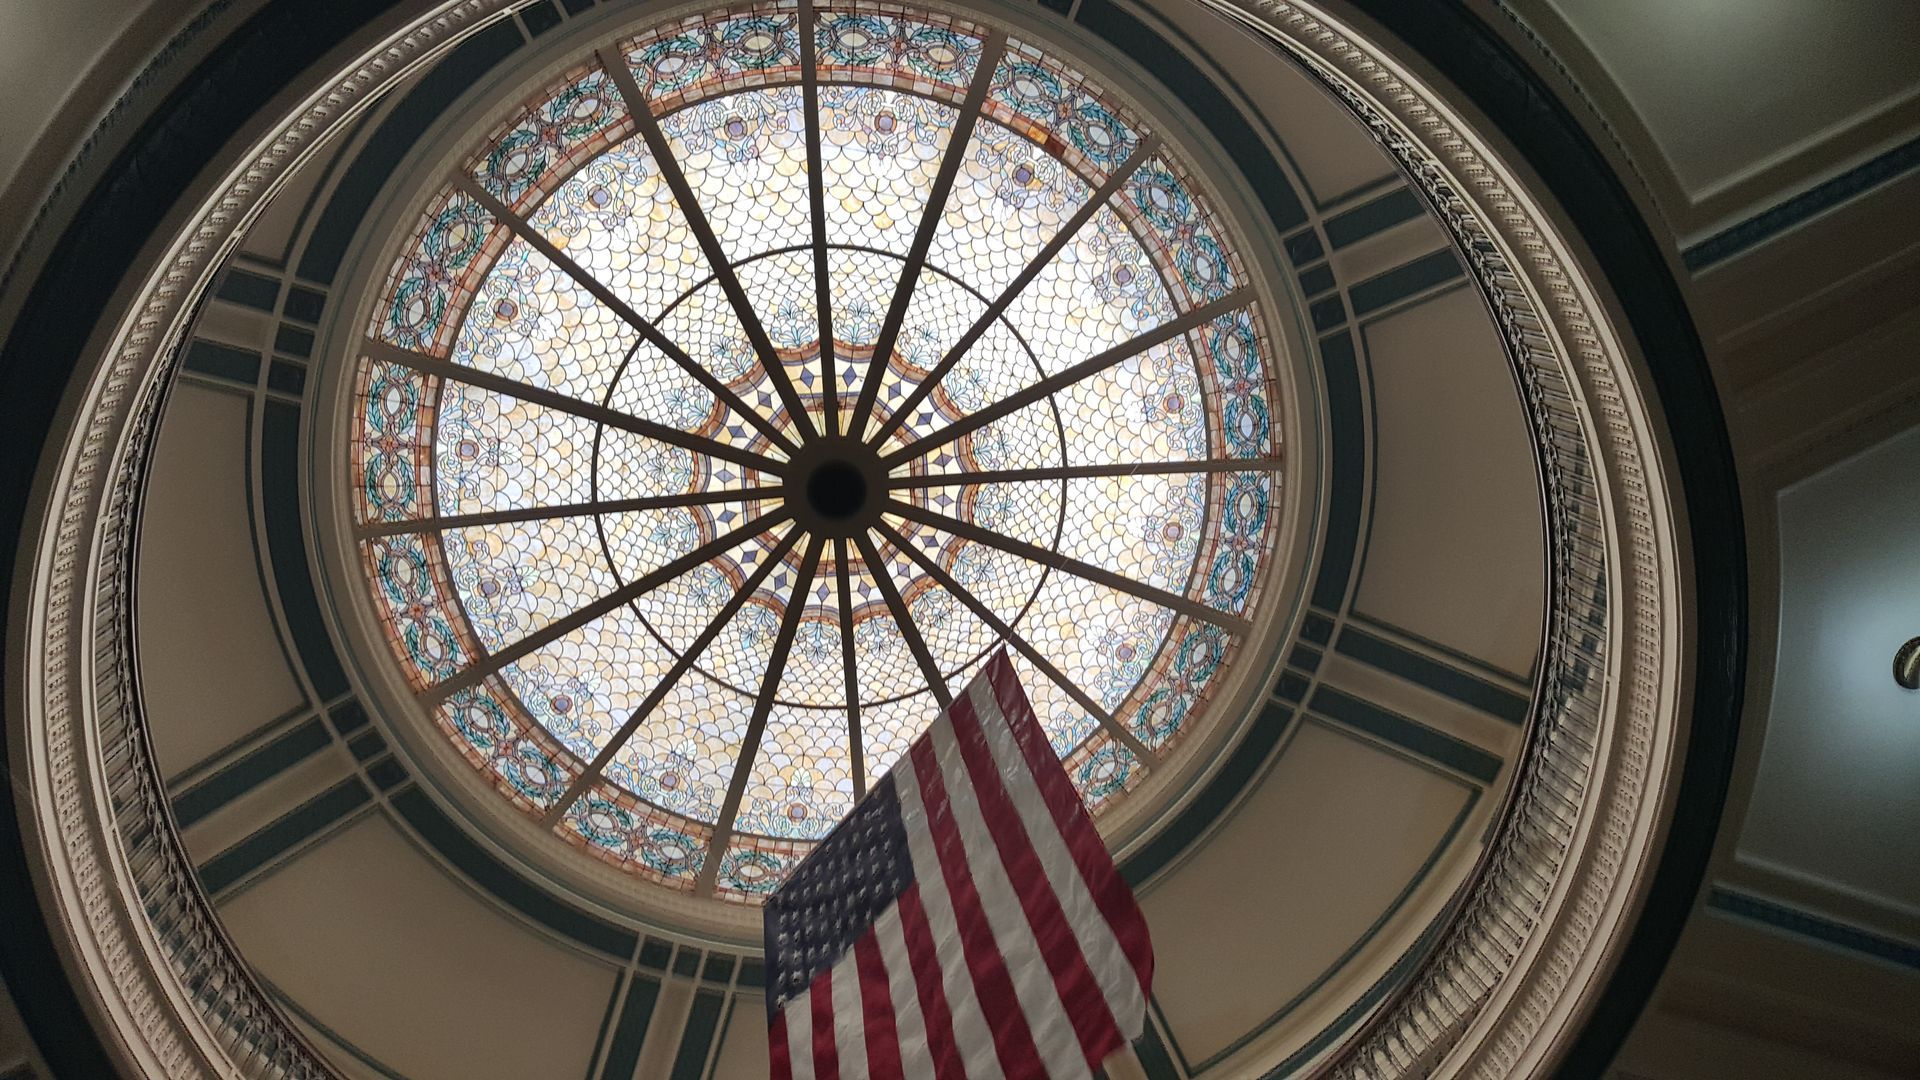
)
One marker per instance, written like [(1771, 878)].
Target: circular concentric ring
[(706, 441)]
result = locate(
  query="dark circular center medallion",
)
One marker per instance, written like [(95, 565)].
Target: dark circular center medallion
[(837, 490)]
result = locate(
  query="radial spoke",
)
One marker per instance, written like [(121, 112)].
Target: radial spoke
[(757, 723), (525, 230), (856, 739), (1083, 472), (1007, 295), (999, 626), (625, 594), (656, 140), (539, 395), (918, 646), (1060, 380), (668, 681), (817, 200), (969, 531), (567, 510), (950, 164)]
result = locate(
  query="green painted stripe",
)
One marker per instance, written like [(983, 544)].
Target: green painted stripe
[(283, 834), (223, 362), (304, 304), (388, 773), (540, 17), (287, 378), (1346, 957), (1154, 1059), (655, 953), (293, 341), (399, 132), (696, 1039), (367, 745), (288, 1003), (623, 1055), (1441, 678), (508, 887), (1410, 735), (250, 290), (1806, 924), (606, 1021), (752, 974), (1201, 93), (687, 963), (348, 717), (1403, 281), (1378, 215), (726, 1025), (1395, 978), (1221, 792), (1769, 223), (250, 771), (1346, 435), (287, 548)]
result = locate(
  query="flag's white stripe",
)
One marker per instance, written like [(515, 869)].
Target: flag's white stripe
[(849, 1018), (799, 1011), (1033, 985), (910, 1027), (1108, 961), (970, 1032)]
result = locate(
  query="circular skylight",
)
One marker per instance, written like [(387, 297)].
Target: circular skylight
[(741, 393)]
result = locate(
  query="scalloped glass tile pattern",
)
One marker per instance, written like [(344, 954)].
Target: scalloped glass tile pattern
[(606, 542)]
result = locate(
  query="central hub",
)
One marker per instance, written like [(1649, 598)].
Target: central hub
[(837, 490), (836, 486)]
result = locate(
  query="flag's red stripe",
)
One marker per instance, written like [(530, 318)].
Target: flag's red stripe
[(780, 1067), (1085, 1003), (1110, 893), (826, 1055), (933, 996), (993, 986), (876, 1002)]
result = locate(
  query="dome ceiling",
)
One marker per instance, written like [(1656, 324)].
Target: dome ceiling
[(685, 486)]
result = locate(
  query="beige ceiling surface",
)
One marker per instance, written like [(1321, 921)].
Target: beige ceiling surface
[(210, 657)]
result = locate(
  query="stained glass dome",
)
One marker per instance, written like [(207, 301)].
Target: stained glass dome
[(753, 382)]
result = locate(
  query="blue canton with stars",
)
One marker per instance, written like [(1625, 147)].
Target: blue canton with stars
[(835, 895)]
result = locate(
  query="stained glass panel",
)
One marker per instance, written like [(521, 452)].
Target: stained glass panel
[(685, 494)]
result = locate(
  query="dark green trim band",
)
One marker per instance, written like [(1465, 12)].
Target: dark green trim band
[(1777, 219), (397, 133), (508, 887), (1802, 923), (1241, 767), (1443, 679), (1347, 450), (1375, 216), (1426, 272), (1409, 735), (287, 547), (696, 1037), (249, 289), (606, 1021), (623, 1054), (1196, 91), (256, 768), (1154, 1059), (284, 834), (227, 363)]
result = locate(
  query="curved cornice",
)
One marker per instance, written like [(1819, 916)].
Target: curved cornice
[(113, 339)]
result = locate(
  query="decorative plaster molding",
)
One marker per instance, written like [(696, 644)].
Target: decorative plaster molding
[(1538, 925)]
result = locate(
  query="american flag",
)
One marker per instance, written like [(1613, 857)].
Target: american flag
[(964, 921)]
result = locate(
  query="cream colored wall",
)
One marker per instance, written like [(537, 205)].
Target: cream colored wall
[(1743, 100)]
